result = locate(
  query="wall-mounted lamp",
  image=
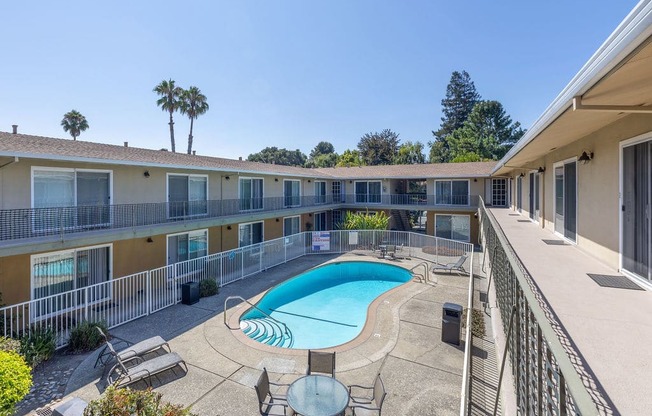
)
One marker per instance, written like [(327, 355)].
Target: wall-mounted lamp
[(149, 240), (522, 175), (350, 181), (310, 215), (275, 179), (585, 158), (541, 169), (308, 180), (277, 220), (228, 227), (146, 174), (475, 179), (227, 178)]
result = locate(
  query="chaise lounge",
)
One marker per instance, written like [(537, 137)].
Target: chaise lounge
[(457, 266), (143, 370)]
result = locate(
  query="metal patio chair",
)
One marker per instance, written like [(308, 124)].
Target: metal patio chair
[(276, 402), (321, 362), (368, 403)]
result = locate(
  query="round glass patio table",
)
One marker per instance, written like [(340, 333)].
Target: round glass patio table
[(318, 395)]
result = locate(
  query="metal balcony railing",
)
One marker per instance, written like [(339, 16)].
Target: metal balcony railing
[(547, 377), (25, 223)]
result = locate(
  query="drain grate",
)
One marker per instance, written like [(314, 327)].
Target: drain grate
[(554, 242), (618, 282), (523, 220), (46, 411)]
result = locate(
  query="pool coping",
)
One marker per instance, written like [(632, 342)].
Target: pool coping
[(368, 330)]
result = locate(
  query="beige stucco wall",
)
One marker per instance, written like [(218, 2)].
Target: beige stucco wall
[(474, 224), (598, 186)]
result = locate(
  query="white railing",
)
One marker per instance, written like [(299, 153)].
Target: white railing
[(130, 297)]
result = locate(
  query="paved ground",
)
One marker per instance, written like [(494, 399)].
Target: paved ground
[(610, 329), (422, 374)]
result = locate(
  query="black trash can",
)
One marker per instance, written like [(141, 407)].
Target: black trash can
[(451, 323), (190, 293)]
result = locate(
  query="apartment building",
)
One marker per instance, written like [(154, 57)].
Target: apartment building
[(77, 213)]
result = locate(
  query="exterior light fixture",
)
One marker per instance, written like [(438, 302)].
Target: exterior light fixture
[(585, 157), (541, 169), (522, 175), (275, 179), (228, 227), (149, 240), (146, 174), (227, 178)]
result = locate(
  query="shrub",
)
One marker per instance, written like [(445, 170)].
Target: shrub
[(85, 337), (38, 345), (124, 401), (478, 328), (208, 287), (9, 344), (15, 381)]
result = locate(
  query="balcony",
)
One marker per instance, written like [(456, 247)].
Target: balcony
[(32, 223)]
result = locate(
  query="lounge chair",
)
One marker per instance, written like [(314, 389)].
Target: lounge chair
[(457, 266), (276, 403), (131, 351), (368, 404), (142, 370), (321, 362)]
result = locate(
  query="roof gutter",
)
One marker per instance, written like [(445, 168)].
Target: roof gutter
[(631, 32)]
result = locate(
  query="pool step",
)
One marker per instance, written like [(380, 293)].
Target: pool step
[(267, 331)]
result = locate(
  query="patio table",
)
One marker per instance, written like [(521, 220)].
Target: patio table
[(318, 395)]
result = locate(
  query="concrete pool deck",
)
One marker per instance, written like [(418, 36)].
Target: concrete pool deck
[(402, 341)]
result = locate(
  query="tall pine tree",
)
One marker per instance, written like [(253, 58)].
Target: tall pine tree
[(461, 97)]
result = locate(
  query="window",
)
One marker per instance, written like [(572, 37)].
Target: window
[(320, 221), (566, 199), (499, 192), (291, 225), (337, 219), (452, 192), (187, 195), (367, 192), (519, 193), (87, 190), (187, 246), (338, 191), (250, 233), (251, 194), (292, 193), (320, 192), (535, 183), (453, 227), (63, 271)]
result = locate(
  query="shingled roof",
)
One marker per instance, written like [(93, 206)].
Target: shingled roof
[(38, 147)]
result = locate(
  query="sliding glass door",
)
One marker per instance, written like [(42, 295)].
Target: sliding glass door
[(636, 249), (535, 183), (566, 199)]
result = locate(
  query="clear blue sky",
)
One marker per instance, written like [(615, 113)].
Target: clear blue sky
[(285, 73)]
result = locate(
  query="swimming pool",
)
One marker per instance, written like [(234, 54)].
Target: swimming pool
[(324, 307)]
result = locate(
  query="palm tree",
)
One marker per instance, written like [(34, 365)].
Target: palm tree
[(169, 101), (74, 123), (193, 104)]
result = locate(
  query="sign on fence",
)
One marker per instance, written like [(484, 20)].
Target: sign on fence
[(321, 241)]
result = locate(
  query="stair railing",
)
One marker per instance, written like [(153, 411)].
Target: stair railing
[(426, 275), (285, 327)]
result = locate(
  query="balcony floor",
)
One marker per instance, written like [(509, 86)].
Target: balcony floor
[(611, 328)]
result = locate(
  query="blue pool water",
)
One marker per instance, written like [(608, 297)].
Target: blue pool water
[(327, 306)]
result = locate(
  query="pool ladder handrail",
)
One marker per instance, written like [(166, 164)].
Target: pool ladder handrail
[(285, 327), (426, 267)]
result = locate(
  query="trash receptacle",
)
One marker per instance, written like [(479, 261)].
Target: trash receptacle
[(451, 322), (190, 293)]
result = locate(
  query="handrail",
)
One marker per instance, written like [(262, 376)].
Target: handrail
[(426, 275), (465, 404), (287, 330)]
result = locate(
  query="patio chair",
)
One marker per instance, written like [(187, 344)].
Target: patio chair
[(131, 351), (321, 362), (367, 404), (276, 402), (142, 370), (390, 252), (457, 266)]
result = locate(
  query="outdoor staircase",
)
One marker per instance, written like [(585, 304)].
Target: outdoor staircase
[(399, 220), (267, 331)]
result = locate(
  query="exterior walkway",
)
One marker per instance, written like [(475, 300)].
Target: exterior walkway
[(611, 329), (422, 374)]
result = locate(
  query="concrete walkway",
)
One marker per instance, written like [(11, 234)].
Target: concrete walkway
[(421, 374), (611, 329)]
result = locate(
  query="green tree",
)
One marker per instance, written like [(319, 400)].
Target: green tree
[(193, 104), (170, 101), (278, 156), (74, 123), (350, 158), (460, 99), (322, 148), (327, 160), (488, 133), (378, 148), (409, 153)]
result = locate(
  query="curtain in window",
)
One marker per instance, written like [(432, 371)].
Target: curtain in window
[(197, 195), (443, 192), (361, 192), (53, 190), (93, 198), (374, 192), (291, 225), (292, 193)]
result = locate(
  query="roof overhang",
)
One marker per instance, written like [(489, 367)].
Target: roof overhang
[(615, 82)]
